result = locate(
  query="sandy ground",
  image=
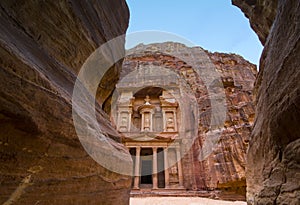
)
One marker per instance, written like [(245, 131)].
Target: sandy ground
[(180, 201)]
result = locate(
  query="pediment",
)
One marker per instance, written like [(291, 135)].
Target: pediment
[(150, 136)]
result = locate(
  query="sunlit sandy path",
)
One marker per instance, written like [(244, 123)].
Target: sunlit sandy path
[(181, 201)]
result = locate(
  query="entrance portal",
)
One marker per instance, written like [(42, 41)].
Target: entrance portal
[(146, 180), (148, 119), (146, 168), (161, 166)]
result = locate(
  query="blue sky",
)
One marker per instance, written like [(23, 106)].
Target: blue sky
[(215, 25)]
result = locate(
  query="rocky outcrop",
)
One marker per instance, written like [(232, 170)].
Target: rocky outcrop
[(261, 14), (225, 166), (43, 45), (273, 163)]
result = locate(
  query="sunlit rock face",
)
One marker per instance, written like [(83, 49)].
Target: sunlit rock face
[(273, 162), (43, 46), (224, 168)]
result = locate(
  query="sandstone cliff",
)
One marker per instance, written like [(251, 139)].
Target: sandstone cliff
[(225, 167), (261, 14), (43, 44), (273, 162)]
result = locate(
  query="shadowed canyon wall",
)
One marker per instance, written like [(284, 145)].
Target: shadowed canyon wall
[(273, 159), (225, 166), (43, 45)]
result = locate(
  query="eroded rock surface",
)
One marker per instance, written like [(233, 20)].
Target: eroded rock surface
[(273, 159), (225, 167), (43, 45), (261, 14)]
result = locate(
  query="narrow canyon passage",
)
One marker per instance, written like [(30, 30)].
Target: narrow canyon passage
[(45, 44)]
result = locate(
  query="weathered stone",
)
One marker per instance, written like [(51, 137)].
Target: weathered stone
[(43, 46), (225, 167), (273, 162), (261, 14)]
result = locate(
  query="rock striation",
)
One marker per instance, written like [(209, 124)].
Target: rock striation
[(43, 45), (224, 168), (273, 162)]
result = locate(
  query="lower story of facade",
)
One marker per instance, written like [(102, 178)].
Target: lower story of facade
[(157, 165)]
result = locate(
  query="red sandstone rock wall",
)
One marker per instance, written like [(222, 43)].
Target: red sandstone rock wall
[(43, 44), (225, 167), (273, 159)]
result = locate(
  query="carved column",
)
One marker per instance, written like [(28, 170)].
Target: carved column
[(166, 163), (129, 120), (151, 121), (154, 174), (118, 120), (164, 121), (180, 176), (175, 121), (142, 122), (137, 168)]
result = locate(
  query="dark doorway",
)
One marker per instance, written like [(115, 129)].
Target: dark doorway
[(146, 168), (160, 165)]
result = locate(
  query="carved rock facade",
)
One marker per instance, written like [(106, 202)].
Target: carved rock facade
[(224, 168)]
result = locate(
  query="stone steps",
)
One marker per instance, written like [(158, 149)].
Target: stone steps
[(229, 196)]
